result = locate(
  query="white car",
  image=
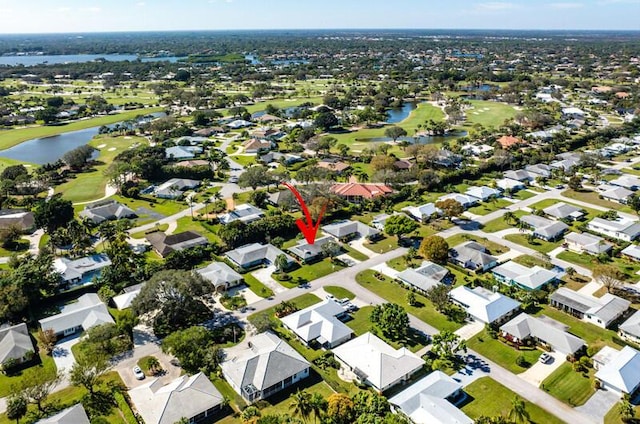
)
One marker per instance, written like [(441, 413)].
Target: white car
[(544, 358), (233, 179), (137, 372)]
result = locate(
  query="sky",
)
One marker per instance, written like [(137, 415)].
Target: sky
[(46, 16)]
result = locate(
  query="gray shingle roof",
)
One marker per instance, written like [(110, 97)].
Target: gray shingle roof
[(632, 325), (220, 274), (250, 253), (15, 342), (87, 312), (425, 277), (347, 228), (546, 329), (74, 415)]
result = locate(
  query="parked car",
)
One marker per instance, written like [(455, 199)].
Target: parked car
[(233, 179), (544, 358), (330, 296), (137, 372)]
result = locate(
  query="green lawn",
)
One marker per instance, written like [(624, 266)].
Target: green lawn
[(626, 266), (593, 198), (301, 302), (500, 224), (187, 224), (569, 386), (339, 292), (614, 417), (490, 398), (541, 246), (279, 404), (387, 244), (399, 264), (488, 207), (164, 207), (47, 367), (282, 103), (243, 159), (531, 261), (307, 273), (501, 353), (395, 293), (256, 286), (141, 234), (355, 254), (523, 195), (489, 114), (494, 248), (10, 138)]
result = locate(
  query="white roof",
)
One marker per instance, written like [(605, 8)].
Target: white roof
[(124, 300), (546, 329), (572, 111), (319, 322), (482, 192), (72, 269), (73, 415), (632, 250), (623, 371), (509, 183), (186, 396), (531, 278), (246, 213), (87, 312), (219, 274), (418, 212), (483, 304), (463, 199), (620, 225), (377, 362), (589, 242), (631, 325)]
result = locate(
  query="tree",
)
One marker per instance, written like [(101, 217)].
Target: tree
[(47, 339), (255, 177), (259, 198), (395, 132), (9, 237), (301, 404), (634, 202), (14, 172), (86, 373), (281, 262), (325, 121), (509, 217), (382, 162), (518, 413), (318, 406), (608, 275), (36, 387), (340, 408), (53, 213), (191, 346), (78, 157), (626, 410), (446, 345), (399, 225), (331, 249), (392, 320), (435, 249), (450, 208), (16, 407), (411, 298), (439, 296), (250, 415), (575, 183)]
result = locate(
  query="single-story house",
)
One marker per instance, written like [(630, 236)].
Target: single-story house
[(81, 271), (465, 200), (192, 397), (182, 152), (542, 329), (245, 213), (431, 399), (587, 243), (221, 275), (357, 192), (254, 254), (72, 415), (630, 182), (473, 256), (254, 145), (601, 311), (481, 150), (447, 158), (630, 329), (620, 371), (283, 199), (239, 123), (319, 323), (541, 170), (615, 194), (24, 220), (175, 187), (421, 213), (125, 299), (518, 175), (563, 210), (379, 221), (335, 166), (543, 228), (15, 344), (346, 230), (106, 211), (514, 274), (262, 365), (309, 252), (484, 305), (377, 364), (632, 252), (425, 277), (622, 228), (573, 113), (164, 244), (192, 163), (87, 312), (483, 193), (507, 141), (509, 184)]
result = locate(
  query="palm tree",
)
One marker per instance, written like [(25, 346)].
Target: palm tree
[(318, 406), (250, 415), (518, 413), (301, 404), (508, 217)]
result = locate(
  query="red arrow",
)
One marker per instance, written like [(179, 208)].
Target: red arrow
[(308, 228)]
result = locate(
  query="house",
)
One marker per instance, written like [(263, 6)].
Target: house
[(125, 299), (319, 323), (309, 252), (514, 274), (192, 397), (587, 243), (73, 415), (539, 170), (254, 145), (567, 161), (377, 364), (357, 192), (239, 123), (543, 330), (24, 220), (544, 228), (422, 213), (403, 165), (619, 371), (630, 329), (465, 200), (483, 193), (473, 256), (254, 254), (447, 158), (262, 365), (221, 275), (507, 141), (484, 305), (245, 213), (175, 188), (283, 199), (482, 150), (518, 175), (192, 163), (431, 399), (379, 221), (425, 277), (182, 152), (632, 252), (106, 211), (80, 271), (601, 311), (630, 182), (268, 118), (572, 113), (564, 211), (347, 230), (15, 344), (509, 184), (87, 312), (621, 228), (334, 166), (164, 244), (615, 194)]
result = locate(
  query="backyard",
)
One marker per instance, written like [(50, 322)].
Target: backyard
[(501, 353)]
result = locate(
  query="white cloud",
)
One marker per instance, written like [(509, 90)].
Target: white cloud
[(141, 4), (495, 5), (566, 5)]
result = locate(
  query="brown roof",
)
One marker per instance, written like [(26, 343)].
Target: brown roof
[(601, 89), (192, 163), (15, 217), (333, 166), (509, 140), (165, 244), (268, 118), (622, 94), (254, 143), (367, 191), (402, 164)]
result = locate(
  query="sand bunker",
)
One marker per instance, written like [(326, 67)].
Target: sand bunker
[(102, 146)]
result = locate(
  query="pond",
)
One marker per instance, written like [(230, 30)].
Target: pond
[(430, 139), (33, 60), (50, 149), (400, 114)]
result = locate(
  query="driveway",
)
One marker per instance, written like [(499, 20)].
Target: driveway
[(264, 276), (599, 404), (539, 371), (62, 355), (124, 367)]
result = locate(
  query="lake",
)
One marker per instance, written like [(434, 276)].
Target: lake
[(33, 60), (400, 114), (50, 149), (430, 139)]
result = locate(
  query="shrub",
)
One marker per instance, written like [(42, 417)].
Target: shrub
[(522, 362)]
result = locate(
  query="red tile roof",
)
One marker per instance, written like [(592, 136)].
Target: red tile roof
[(367, 191), (509, 140)]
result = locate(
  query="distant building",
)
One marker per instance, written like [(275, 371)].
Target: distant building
[(106, 211), (347, 230), (245, 213), (175, 188), (357, 192)]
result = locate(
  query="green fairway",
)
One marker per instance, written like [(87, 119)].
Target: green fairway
[(489, 114), (10, 138)]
